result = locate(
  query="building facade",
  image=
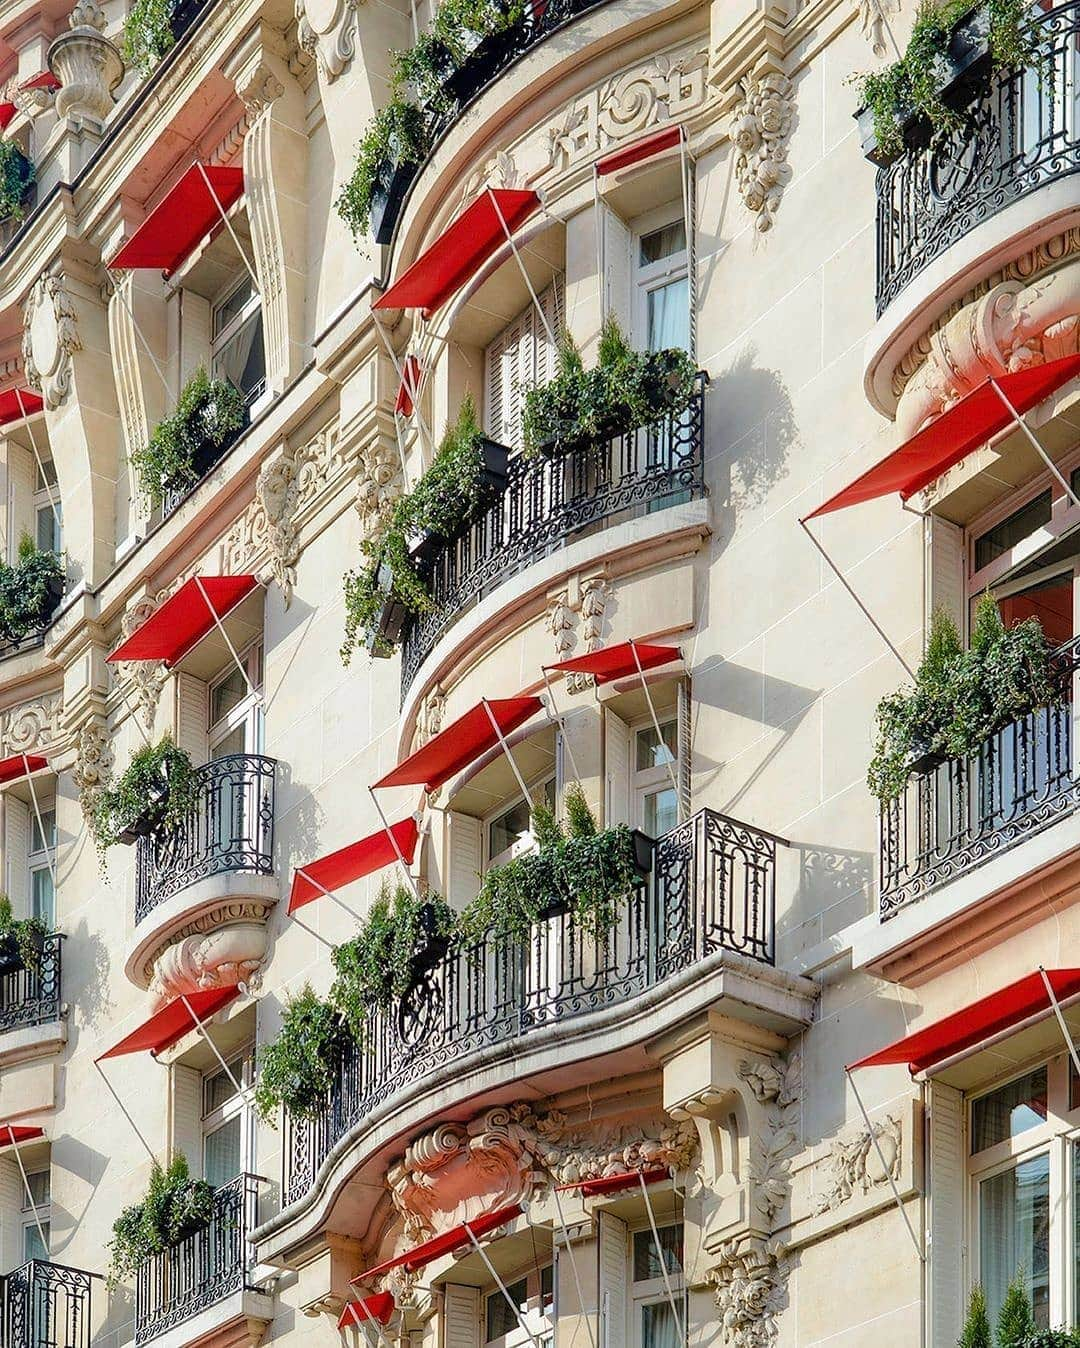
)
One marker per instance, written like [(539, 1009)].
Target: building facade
[(625, 1140)]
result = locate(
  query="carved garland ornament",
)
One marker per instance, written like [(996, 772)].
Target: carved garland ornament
[(855, 1167), (760, 130), (50, 339), (93, 761), (146, 678), (31, 726)]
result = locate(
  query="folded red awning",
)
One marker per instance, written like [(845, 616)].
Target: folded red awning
[(15, 404), (378, 1306), (975, 419), (12, 1134), (184, 216), (352, 863), (172, 1022), (20, 765), (459, 253), (616, 662), (185, 618), (611, 1184), (7, 112), (654, 144), (461, 743), (46, 80), (421, 1255), (989, 1017), (412, 374)]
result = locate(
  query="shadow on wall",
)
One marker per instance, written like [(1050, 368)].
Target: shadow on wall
[(305, 819), (86, 966), (829, 879), (87, 1165)]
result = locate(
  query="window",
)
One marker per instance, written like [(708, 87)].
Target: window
[(522, 356), (533, 1296), (235, 714), (1013, 529), (48, 516), (35, 1215), (655, 760), (237, 352), (509, 833), (655, 1324), (226, 1122), (41, 857), (663, 296)]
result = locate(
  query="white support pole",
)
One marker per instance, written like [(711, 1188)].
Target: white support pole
[(1033, 440), (885, 1168), (145, 344), (573, 1265), (691, 251), (327, 893), (410, 879), (521, 266), (660, 1256), (562, 725), (123, 1110), (40, 462), (41, 826), (598, 225), (865, 611), (502, 1288), (509, 756), (424, 431), (213, 1047), (228, 225), (131, 712), (1069, 1044), (225, 637), (29, 1196), (661, 747)]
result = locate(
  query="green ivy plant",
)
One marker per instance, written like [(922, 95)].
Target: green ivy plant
[(28, 934), (148, 33), (378, 965), (299, 1066), (397, 134), (960, 698), (157, 772), (175, 1206), (29, 591), (208, 412), (16, 176)]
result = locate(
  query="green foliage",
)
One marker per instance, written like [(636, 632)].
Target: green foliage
[(148, 33), (625, 390), (158, 773), (379, 964), (175, 1206), (977, 1325), (461, 24), (29, 591), (16, 176), (1053, 1338), (208, 412), (960, 698), (299, 1066), (396, 135), (1015, 1323), (29, 932)]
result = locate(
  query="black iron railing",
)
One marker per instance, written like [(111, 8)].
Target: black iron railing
[(1018, 130), (31, 996), (967, 810), (712, 888), (231, 828), (203, 1268), (549, 501), (45, 1305)]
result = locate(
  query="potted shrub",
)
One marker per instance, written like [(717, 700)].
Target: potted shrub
[(175, 1206), (158, 789), (387, 160), (209, 415), (29, 591), (16, 178), (22, 940), (426, 67), (299, 1066), (148, 33)]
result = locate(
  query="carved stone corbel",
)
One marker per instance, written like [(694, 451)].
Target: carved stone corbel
[(94, 760), (326, 30)]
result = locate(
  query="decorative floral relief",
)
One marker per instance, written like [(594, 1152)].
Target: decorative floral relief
[(429, 718), (93, 761), (31, 726), (378, 482), (750, 1282), (232, 952), (873, 20), (854, 1165), (761, 126), (145, 678)]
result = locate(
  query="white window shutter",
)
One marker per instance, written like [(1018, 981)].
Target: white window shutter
[(522, 356), (618, 243), (493, 388), (16, 851), (186, 1115), (464, 858), (946, 570), (12, 1198), (617, 796), (192, 713), (22, 476), (946, 1183), (462, 1316), (614, 1279)]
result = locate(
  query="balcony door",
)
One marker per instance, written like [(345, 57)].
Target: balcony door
[(235, 729)]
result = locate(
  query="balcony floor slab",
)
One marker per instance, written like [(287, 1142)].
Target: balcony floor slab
[(237, 1321), (28, 1042)]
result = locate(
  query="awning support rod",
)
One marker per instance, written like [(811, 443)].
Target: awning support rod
[(144, 343), (327, 893), (886, 1169), (573, 1267), (425, 433), (1069, 1044), (506, 750), (661, 747), (1033, 440), (521, 266), (502, 1288), (37, 455), (228, 225), (213, 1047), (660, 1257), (410, 879), (131, 710), (384, 1342), (123, 1110), (865, 611), (225, 637), (29, 1196), (41, 826), (561, 720)]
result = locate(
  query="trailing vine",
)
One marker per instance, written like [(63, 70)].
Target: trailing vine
[(299, 1066), (29, 591), (208, 412), (148, 33), (159, 774), (396, 135)]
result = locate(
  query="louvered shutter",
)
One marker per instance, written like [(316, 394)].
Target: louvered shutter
[(617, 794), (186, 1115), (612, 1237), (462, 1313), (946, 1201), (22, 475), (464, 858), (945, 570), (618, 243), (493, 387), (12, 1198), (191, 716), (16, 851), (522, 356)]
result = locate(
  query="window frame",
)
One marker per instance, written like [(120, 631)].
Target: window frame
[(247, 713), (647, 781), (46, 498), (220, 340), (651, 276), (42, 859), (238, 1105), (652, 1291), (540, 1323), (33, 1214), (537, 788)]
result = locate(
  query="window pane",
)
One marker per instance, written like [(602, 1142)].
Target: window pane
[(651, 753), (221, 1153), (1014, 1221), (230, 308), (46, 479), (218, 1089), (240, 358), (668, 316), (42, 899), (47, 528), (646, 1259), (547, 1286), (1012, 530), (500, 1317), (663, 243), (508, 828), (32, 1246), (659, 1328), (1009, 1111), (661, 812), (226, 695), (38, 1183), (48, 820)]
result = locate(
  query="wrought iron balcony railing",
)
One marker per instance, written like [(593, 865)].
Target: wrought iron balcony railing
[(202, 1268), (45, 1305), (1018, 130), (31, 996), (712, 888), (968, 810), (550, 501), (231, 828)]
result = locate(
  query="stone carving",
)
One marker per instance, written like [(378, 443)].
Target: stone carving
[(429, 718), (232, 953), (750, 1283), (760, 130), (88, 66), (377, 483), (326, 30), (93, 761), (855, 1167), (775, 1084), (873, 20), (50, 338), (560, 621), (204, 952), (123, 345), (30, 727), (146, 678)]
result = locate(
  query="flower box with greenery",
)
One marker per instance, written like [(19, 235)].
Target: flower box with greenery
[(626, 389), (158, 789), (175, 1206), (299, 1066), (949, 39), (387, 160), (16, 179), (481, 36), (29, 591), (961, 697), (148, 33), (22, 940), (210, 414)]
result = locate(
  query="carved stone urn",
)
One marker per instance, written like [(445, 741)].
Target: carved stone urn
[(88, 66)]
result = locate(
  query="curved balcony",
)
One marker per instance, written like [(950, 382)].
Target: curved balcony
[(1017, 134), (551, 500), (45, 1305), (712, 890)]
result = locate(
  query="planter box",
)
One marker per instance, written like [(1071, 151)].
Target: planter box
[(148, 820), (872, 151), (434, 945), (394, 182), (484, 62), (386, 632), (10, 959), (924, 761), (643, 853), (424, 546), (968, 48), (495, 469)]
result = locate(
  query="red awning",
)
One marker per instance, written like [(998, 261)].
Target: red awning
[(10, 409), (7, 112), (610, 1184), (616, 662), (172, 1022), (461, 743), (378, 1306), (412, 374), (184, 216), (975, 419), (459, 253), (46, 80), (645, 148), (421, 1255), (12, 1134), (183, 620), (352, 863), (20, 765), (1001, 1011)]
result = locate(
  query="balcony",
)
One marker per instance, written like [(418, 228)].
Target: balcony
[(551, 500), (967, 811), (230, 830), (712, 890), (45, 1305), (204, 1270), (1018, 133), (32, 996)]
